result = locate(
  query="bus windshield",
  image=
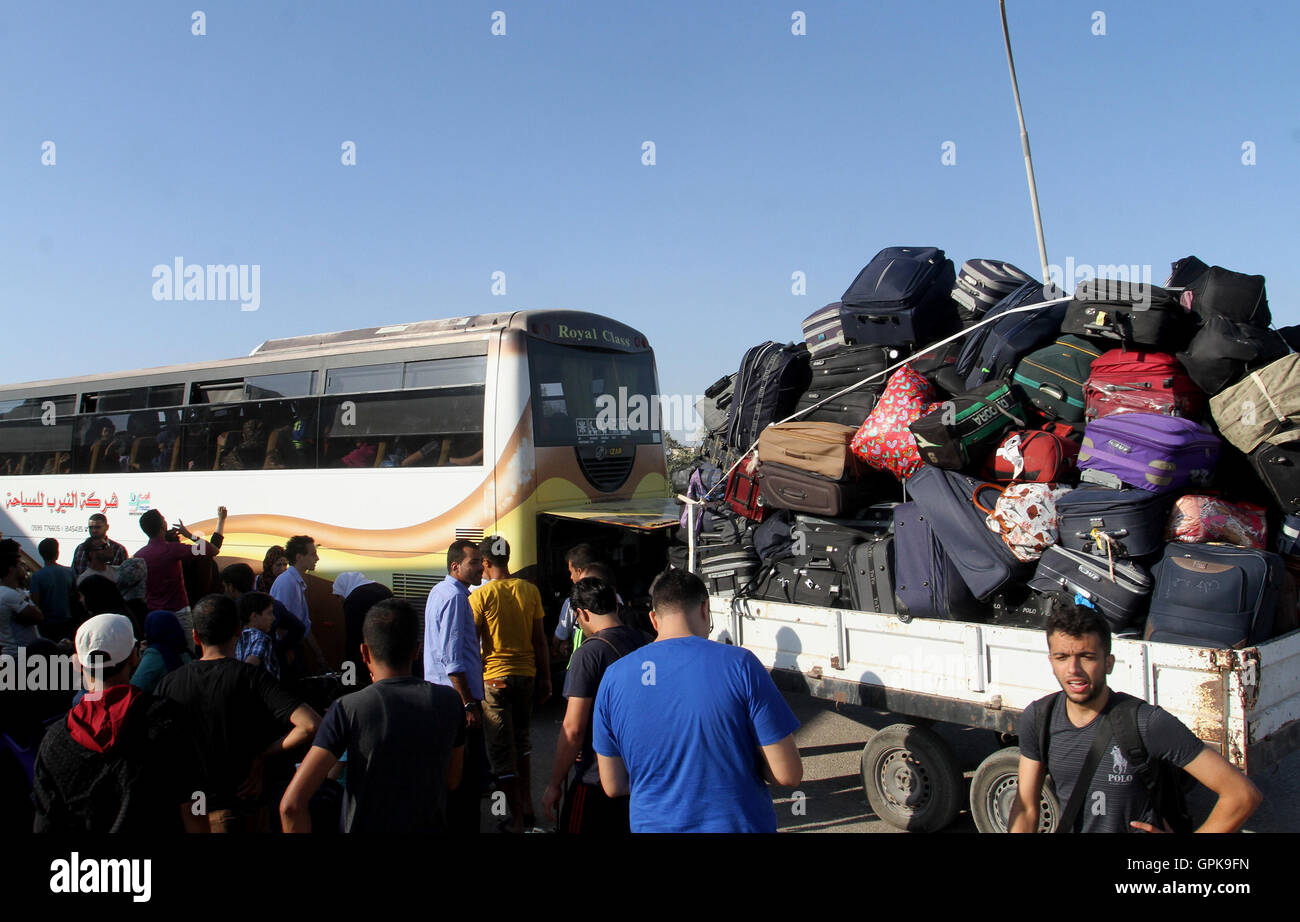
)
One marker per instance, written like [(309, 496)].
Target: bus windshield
[(589, 396)]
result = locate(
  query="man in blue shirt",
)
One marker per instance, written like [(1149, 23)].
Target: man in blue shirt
[(692, 728), (51, 588), (452, 657), (290, 590)]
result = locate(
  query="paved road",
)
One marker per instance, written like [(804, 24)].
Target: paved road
[(831, 740)]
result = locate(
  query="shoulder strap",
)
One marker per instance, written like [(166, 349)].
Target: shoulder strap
[(609, 643), (1129, 738), (1084, 781), (1045, 724)]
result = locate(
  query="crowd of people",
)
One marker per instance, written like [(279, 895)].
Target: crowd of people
[(190, 717)]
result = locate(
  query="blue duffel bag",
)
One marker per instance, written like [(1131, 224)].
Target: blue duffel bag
[(948, 499)]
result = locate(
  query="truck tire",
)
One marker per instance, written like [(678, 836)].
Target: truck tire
[(994, 787), (911, 778)]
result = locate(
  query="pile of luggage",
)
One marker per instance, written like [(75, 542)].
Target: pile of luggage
[(957, 445)]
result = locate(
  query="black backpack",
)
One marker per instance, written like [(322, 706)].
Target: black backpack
[(1166, 784), (771, 379)]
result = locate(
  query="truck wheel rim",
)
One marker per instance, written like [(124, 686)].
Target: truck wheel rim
[(998, 804), (903, 781), (999, 798)]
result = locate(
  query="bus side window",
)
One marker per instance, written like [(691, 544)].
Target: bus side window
[(433, 427)]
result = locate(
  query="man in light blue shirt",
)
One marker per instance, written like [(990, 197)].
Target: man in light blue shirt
[(453, 657), (290, 589)]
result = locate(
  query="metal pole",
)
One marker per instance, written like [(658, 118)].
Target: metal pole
[(1024, 143)]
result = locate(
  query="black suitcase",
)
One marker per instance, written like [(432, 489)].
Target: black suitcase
[(1210, 595), (903, 296), (835, 539), (803, 581), (838, 370), (1131, 522), (981, 283), (1131, 314), (871, 575), (783, 487), (1277, 462), (768, 385), (939, 364), (849, 409), (727, 569), (1121, 601), (724, 527)]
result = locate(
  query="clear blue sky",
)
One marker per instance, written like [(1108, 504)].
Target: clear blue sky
[(522, 153)]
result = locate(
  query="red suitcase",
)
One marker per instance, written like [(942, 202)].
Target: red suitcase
[(1123, 381), (742, 490)]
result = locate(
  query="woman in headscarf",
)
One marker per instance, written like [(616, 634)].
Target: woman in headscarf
[(166, 651), (273, 564), (131, 579), (359, 595)]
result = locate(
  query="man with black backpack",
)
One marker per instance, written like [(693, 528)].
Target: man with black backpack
[(575, 776), (1129, 751)]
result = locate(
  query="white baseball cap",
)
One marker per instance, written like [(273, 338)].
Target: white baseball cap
[(110, 636)]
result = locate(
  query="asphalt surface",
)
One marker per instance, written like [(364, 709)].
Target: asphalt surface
[(830, 741)]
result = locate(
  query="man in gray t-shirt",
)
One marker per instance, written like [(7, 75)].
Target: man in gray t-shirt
[(1078, 642), (404, 739)]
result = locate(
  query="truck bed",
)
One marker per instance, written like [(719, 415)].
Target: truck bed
[(1245, 703)]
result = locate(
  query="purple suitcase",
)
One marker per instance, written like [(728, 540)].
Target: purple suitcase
[(1150, 451)]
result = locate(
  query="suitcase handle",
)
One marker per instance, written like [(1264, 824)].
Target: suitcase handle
[(1052, 391), (797, 494), (975, 497), (1122, 533), (717, 387)]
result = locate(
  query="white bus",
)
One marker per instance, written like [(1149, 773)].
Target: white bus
[(384, 444)]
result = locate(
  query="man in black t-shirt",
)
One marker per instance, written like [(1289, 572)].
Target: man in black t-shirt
[(237, 713), (575, 774), (404, 738), (121, 761), (1078, 641)]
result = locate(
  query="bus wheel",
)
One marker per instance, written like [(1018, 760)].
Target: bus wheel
[(911, 778), (993, 789)]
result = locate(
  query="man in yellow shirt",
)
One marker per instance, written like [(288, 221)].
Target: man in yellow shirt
[(516, 668)]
